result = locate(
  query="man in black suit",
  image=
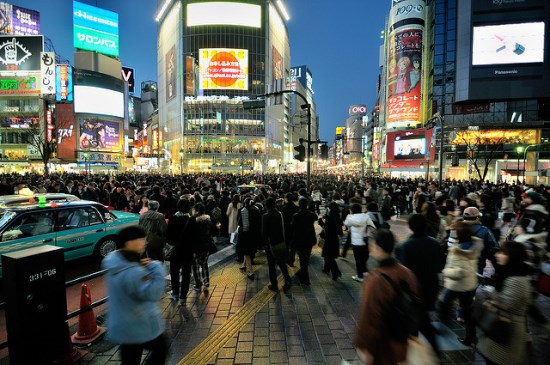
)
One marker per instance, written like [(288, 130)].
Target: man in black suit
[(303, 237)]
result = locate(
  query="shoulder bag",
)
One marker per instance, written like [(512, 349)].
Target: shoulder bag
[(492, 322)]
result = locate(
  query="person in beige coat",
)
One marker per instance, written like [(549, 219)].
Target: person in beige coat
[(460, 280)]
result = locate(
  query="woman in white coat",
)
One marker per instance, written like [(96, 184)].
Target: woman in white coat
[(232, 212)]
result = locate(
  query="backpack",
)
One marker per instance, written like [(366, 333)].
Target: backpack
[(216, 215), (402, 315)]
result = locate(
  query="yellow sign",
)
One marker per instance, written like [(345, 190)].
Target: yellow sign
[(223, 68), (496, 136), (340, 130)]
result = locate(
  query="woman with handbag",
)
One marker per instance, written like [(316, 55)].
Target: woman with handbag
[(511, 298), (460, 280), (249, 219), (332, 228)]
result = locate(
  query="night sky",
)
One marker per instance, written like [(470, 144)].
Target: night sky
[(338, 40)]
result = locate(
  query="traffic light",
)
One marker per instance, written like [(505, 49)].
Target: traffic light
[(301, 156), (254, 104), (324, 151)]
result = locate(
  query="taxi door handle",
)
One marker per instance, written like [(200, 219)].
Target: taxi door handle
[(100, 230), (47, 240)]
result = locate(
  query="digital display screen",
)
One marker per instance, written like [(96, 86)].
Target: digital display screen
[(409, 147), (95, 100), (223, 68), (508, 44), (99, 134), (224, 13)]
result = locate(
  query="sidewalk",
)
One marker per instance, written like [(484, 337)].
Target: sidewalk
[(240, 321)]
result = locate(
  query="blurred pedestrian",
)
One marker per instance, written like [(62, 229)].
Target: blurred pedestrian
[(155, 226)]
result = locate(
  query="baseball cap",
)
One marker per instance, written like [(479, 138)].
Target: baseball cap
[(471, 213)]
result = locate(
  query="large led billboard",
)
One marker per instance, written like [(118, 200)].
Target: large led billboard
[(409, 147), (17, 20), (99, 134), (508, 44), (95, 29), (20, 53), (223, 68), (224, 13), (95, 100)]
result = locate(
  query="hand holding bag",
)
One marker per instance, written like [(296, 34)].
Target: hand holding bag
[(492, 322)]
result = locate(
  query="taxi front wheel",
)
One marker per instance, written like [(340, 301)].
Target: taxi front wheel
[(105, 247)]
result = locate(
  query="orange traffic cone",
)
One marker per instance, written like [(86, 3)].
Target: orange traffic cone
[(87, 331)]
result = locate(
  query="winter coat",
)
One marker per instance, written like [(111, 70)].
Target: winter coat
[(508, 204), (135, 291), (232, 216), (332, 225), (377, 296), (273, 227), (358, 224), (386, 208), (460, 270), (250, 238), (535, 246), (177, 235), (199, 231), (303, 229), (422, 254), (155, 226), (513, 299)]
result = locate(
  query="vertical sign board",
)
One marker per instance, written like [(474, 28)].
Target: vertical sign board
[(95, 29), (49, 125), (404, 68), (47, 73), (63, 83), (17, 20), (128, 75)]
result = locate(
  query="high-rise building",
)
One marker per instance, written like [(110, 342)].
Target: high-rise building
[(212, 55)]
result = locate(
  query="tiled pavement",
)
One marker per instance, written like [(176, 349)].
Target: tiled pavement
[(240, 321)]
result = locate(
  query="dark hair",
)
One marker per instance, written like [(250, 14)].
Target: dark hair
[(334, 209), (515, 266), (129, 234), (184, 206), (384, 239), (356, 208), (463, 231), (302, 203), (199, 208), (418, 224), (372, 207), (270, 203)]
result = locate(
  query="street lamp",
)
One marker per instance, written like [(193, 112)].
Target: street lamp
[(519, 149), (181, 160)]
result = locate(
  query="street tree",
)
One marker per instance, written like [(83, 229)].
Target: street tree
[(481, 149)]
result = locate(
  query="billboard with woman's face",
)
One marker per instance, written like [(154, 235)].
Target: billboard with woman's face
[(96, 134)]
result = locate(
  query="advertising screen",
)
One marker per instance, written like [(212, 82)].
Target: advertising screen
[(99, 134), (19, 85), (95, 100), (508, 44), (17, 20), (20, 53), (63, 83), (95, 29), (224, 13), (223, 68), (19, 122), (409, 147)]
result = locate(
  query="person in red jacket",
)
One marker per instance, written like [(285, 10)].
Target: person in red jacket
[(373, 340)]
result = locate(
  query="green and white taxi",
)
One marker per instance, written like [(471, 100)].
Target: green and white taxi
[(82, 228)]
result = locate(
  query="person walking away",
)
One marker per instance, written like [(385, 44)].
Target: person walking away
[(199, 230), (232, 211), (460, 279), (421, 254), (332, 227), (373, 340), (432, 217), (471, 216), (303, 237), (317, 198), (289, 209), (135, 286), (154, 224), (181, 260), (273, 232), (512, 296), (357, 223), (249, 235), (387, 208)]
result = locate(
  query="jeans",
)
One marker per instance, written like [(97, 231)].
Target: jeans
[(466, 300), (131, 354), (361, 254), (200, 263), (177, 266)]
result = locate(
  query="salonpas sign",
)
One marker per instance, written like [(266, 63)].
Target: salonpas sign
[(95, 29)]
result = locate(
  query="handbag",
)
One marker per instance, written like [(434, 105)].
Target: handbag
[(234, 237), (167, 251), (420, 352), (491, 322)]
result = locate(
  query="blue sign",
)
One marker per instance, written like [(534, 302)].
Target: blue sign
[(63, 83), (95, 29)]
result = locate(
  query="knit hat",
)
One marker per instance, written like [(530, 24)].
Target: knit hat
[(471, 214), (535, 197)]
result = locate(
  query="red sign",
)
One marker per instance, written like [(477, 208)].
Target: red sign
[(49, 125), (66, 132), (409, 148)]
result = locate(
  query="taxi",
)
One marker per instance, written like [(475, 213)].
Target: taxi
[(82, 228)]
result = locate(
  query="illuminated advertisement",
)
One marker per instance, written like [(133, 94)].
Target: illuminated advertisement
[(170, 70), (359, 109), (303, 75), (66, 131), (409, 145), (95, 29), (17, 20), (189, 75), (97, 93), (47, 73), (128, 75), (224, 13), (99, 134), (404, 68), (223, 68), (508, 44), (17, 85), (19, 122), (496, 136), (64, 83), (20, 53)]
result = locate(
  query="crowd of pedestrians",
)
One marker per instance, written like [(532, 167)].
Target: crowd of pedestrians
[(463, 234)]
